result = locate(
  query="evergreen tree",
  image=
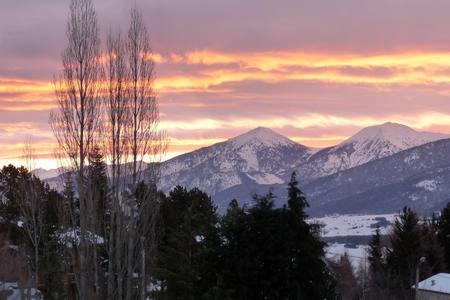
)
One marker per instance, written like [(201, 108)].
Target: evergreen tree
[(272, 253), (405, 252), (98, 181), (431, 248), (188, 257), (10, 179), (13, 181), (444, 233), (296, 199), (377, 265)]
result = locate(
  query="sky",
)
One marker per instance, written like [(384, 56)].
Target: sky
[(315, 71)]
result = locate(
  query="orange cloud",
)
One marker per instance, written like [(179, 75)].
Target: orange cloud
[(211, 76)]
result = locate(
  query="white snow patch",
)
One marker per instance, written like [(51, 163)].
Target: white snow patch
[(265, 178), (414, 197), (412, 157), (71, 237), (344, 225), (248, 154), (199, 238), (357, 254), (428, 185), (15, 293)]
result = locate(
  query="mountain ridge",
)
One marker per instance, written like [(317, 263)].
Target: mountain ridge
[(261, 158)]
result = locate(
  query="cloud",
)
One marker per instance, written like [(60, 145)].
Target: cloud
[(314, 71)]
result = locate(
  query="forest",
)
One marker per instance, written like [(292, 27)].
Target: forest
[(254, 252)]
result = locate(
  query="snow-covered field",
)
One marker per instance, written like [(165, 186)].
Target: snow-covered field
[(356, 254), (354, 225)]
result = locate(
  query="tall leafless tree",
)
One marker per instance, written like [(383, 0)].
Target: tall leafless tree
[(145, 136), (146, 142), (117, 107), (130, 134), (75, 123), (30, 200)]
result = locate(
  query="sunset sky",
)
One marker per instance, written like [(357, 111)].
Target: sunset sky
[(316, 71)]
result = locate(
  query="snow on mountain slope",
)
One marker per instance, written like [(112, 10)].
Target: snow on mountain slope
[(261, 155), (388, 184), (261, 159), (369, 144)]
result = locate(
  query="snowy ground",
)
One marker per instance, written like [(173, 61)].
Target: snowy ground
[(11, 291), (352, 226), (357, 253)]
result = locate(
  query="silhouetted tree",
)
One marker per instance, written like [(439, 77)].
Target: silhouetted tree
[(188, 261), (272, 253), (444, 233), (347, 287)]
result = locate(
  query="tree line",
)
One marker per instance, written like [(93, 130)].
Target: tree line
[(393, 260), (257, 252), (252, 252)]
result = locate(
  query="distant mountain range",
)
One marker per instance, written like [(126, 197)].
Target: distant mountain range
[(378, 170)]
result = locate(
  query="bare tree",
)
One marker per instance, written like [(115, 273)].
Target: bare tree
[(133, 136), (146, 142), (117, 108), (145, 136), (130, 135), (75, 123), (30, 200)]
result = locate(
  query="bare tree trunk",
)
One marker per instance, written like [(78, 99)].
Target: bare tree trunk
[(30, 201), (118, 114), (145, 138), (143, 279), (75, 123), (130, 263)]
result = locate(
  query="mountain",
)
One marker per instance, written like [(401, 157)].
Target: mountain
[(378, 169), (369, 144), (418, 177), (260, 156), (263, 157)]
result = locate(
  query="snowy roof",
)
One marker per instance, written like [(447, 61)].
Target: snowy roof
[(439, 283)]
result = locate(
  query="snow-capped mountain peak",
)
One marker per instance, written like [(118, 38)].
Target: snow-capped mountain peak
[(262, 136), (368, 144), (398, 135), (258, 157)]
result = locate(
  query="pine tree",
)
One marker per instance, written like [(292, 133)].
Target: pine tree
[(405, 252), (98, 181), (272, 253), (377, 265), (431, 248), (296, 199), (306, 251), (444, 233), (188, 257)]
